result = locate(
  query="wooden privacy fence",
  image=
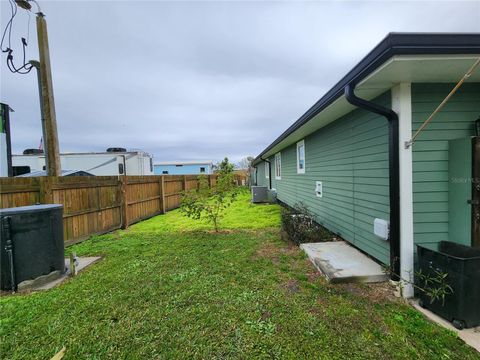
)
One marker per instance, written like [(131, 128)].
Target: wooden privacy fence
[(96, 205)]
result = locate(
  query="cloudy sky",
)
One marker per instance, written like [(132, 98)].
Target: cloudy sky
[(199, 80)]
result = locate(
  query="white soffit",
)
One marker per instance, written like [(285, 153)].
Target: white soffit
[(422, 69), (398, 69)]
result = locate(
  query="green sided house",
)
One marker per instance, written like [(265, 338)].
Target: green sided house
[(350, 160)]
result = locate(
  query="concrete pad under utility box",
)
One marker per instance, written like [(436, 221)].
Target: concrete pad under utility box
[(55, 278), (341, 262)]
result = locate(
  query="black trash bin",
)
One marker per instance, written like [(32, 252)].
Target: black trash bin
[(462, 264)]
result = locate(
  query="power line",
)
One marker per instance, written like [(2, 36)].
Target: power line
[(26, 67), (8, 27)]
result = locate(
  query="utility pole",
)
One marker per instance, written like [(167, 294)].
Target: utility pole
[(36, 65), (52, 156), (47, 103)]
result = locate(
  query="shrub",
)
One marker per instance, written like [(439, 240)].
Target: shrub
[(299, 226)]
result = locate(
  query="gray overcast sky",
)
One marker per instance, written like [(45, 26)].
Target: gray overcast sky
[(199, 80)]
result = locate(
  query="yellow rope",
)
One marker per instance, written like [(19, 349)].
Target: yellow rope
[(442, 104)]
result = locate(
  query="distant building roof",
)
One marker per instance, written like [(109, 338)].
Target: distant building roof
[(180, 162)]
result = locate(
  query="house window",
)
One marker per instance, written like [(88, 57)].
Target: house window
[(278, 166), (301, 157), (267, 170), (202, 169), (165, 172)]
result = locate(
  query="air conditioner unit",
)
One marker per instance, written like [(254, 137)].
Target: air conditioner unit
[(272, 195), (31, 244), (259, 194)]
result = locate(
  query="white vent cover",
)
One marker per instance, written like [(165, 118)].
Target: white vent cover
[(318, 188), (381, 228)]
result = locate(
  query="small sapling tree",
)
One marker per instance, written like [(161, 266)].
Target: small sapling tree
[(210, 202), (434, 285)]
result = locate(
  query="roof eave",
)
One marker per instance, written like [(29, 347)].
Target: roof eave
[(393, 44)]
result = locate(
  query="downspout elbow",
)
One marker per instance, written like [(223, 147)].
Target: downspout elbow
[(353, 99), (269, 172)]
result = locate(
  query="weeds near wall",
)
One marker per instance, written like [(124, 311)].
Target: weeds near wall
[(299, 226), (434, 286)]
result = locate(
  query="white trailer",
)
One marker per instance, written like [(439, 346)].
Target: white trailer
[(3, 155), (135, 162)]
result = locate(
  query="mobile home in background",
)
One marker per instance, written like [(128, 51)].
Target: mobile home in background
[(114, 161), (184, 167)]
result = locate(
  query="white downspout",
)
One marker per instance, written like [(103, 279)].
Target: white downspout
[(402, 105)]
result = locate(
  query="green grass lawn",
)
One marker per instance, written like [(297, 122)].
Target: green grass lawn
[(171, 288)]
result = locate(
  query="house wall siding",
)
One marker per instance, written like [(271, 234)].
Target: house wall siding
[(350, 157), (261, 180), (430, 153)]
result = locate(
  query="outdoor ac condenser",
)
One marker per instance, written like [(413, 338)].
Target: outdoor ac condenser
[(31, 244), (259, 194)]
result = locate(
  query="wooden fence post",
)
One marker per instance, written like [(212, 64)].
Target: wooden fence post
[(41, 189), (46, 192), (162, 194), (184, 183), (123, 200)]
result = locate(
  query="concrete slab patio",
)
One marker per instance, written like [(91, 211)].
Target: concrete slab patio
[(341, 262)]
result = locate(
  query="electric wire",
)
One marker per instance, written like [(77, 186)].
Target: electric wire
[(8, 27), (28, 26), (26, 66)]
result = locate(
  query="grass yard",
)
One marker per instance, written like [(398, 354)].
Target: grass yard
[(171, 288)]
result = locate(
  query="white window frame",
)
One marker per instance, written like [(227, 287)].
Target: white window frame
[(299, 144), (278, 166), (267, 170)]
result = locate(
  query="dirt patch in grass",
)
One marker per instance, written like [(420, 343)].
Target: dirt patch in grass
[(273, 251), (266, 315), (375, 292), (220, 231), (269, 251), (314, 275), (292, 286), (290, 249)]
